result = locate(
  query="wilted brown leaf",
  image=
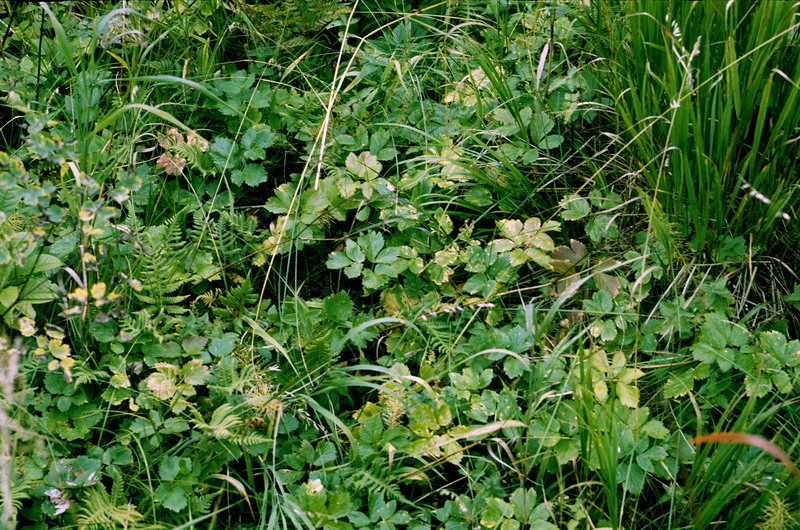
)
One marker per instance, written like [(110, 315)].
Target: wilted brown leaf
[(172, 165)]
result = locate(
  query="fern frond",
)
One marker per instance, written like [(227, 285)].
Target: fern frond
[(100, 511)]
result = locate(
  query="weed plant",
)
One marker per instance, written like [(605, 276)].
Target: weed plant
[(383, 264)]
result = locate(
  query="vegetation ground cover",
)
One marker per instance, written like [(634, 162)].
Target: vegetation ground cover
[(393, 264)]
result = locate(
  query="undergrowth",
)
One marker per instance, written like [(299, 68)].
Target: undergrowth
[(388, 264)]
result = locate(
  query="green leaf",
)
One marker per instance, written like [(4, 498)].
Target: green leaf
[(251, 174), (371, 430), (575, 208), (504, 115), (8, 296), (337, 260), (172, 466), (794, 298), (551, 141), (374, 281), (194, 373), (255, 140), (224, 153), (371, 243), (655, 429), (631, 476), (172, 496), (194, 345), (601, 304), (46, 262), (222, 346), (338, 307), (354, 251), (541, 125)]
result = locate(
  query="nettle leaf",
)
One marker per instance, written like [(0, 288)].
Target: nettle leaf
[(251, 174), (255, 141)]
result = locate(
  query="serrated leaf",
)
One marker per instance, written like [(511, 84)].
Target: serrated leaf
[(172, 496), (575, 208), (338, 307), (566, 258), (541, 125), (371, 243), (222, 346), (628, 395), (551, 141), (365, 166), (194, 373), (504, 115), (172, 466), (606, 283), (255, 140), (373, 280), (654, 429), (251, 174), (224, 153), (354, 270)]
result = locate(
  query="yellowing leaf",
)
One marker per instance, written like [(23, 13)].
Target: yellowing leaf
[(98, 290), (628, 395)]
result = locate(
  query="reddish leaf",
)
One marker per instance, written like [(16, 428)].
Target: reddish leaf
[(171, 165)]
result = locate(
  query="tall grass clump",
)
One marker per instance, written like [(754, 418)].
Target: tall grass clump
[(706, 93)]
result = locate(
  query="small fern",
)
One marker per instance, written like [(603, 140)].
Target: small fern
[(163, 271), (377, 481), (101, 510)]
